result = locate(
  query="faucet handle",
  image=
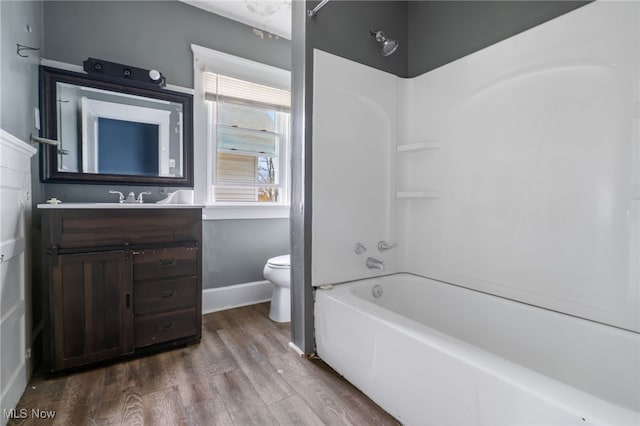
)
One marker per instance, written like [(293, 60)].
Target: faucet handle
[(384, 246), (120, 196), (359, 248), (140, 200)]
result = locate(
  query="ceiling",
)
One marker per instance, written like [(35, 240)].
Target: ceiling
[(272, 16)]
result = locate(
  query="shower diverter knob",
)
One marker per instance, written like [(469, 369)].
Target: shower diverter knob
[(359, 248)]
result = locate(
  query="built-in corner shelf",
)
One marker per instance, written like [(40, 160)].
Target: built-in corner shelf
[(418, 194), (419, 146)]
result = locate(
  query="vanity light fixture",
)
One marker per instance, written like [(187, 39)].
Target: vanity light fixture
[(155, 75), (124, 74)]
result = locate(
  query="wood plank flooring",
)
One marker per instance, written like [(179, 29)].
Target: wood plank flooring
[(242, 373)]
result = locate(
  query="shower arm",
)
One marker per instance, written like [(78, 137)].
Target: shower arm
[(313, 12)]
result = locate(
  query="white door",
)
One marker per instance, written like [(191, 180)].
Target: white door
[(15, 282)]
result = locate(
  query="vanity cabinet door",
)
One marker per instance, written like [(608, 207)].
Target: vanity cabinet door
[(91, 308)]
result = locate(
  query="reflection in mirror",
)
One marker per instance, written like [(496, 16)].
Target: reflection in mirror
[(108, 132), (115, 133)]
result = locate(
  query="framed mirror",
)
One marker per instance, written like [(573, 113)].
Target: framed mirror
[(114, 133)]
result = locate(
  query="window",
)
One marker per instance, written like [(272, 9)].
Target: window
[(248, 130), (241, 136)]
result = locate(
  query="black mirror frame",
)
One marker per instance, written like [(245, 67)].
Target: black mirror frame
[(48, 79)]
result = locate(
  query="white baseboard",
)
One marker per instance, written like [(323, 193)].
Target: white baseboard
[(234, 296), (296, 349)]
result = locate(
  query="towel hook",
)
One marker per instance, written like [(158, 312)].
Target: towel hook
[(21, 47), (313, 12)]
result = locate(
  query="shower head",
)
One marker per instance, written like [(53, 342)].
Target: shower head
[(388, 45)]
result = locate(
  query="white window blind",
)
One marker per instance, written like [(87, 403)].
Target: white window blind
[(223, 88), (236, 168), (250, 131)]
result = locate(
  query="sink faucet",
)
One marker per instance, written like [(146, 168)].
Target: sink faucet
[(375, 264), (139, 199), (131, 198), (120, 196)]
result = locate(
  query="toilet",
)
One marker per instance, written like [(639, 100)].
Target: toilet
[(278, 272)]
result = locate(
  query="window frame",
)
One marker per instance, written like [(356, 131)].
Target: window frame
[(209, 60), (281, 148)]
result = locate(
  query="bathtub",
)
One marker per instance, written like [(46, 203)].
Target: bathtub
[(432, 353)]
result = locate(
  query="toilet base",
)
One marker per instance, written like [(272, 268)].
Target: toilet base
[(280, 310)]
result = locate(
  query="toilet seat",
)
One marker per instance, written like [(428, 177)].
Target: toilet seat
[(280, 262)]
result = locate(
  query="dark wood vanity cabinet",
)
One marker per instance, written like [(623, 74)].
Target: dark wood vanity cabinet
[(120, 281), (91, 307)]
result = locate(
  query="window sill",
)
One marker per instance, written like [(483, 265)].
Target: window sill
[(222, 211)]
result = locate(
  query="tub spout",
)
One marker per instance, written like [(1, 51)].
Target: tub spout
[(375, 264)]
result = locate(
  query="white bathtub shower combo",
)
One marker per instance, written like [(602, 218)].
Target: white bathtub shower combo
[(510, 181), (435, 353)]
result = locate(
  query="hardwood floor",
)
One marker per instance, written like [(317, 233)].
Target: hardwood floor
[(242, 373)]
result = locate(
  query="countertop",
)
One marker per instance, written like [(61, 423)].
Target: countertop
[(119, 206)]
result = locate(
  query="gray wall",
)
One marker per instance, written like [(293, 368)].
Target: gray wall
[(237, 250), (151, 34), (443, 31), (302, 326), (431, 33), (342, 28), (19, 79), (19, 75), (158, 34)]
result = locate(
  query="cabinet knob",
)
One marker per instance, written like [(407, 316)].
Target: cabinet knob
[(166, 294), (166, 263), (166, 326)]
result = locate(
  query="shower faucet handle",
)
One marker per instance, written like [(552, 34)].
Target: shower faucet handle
[(359, 248), (384, 246)]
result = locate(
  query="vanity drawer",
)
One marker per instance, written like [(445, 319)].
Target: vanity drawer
[(167, 295), (81, 228), (158, 328), (165, 262)]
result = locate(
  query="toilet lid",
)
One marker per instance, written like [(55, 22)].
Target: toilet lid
[(283, 261)]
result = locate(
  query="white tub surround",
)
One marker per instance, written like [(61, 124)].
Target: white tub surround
[(434, 353), (353, 155), (515, 172), (531, 151)]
